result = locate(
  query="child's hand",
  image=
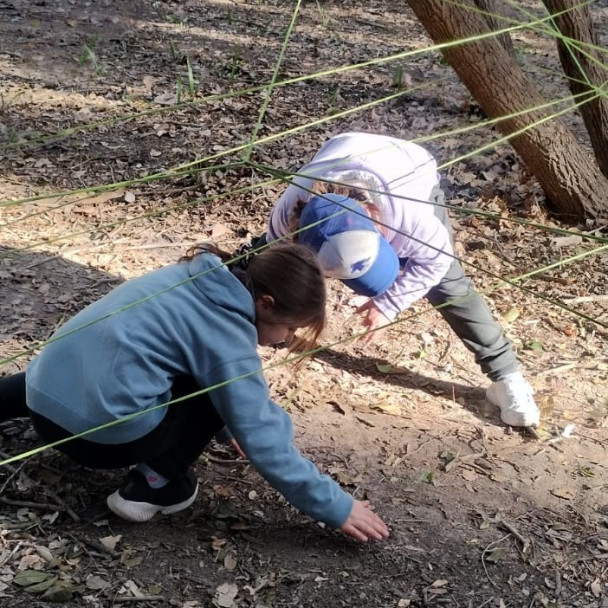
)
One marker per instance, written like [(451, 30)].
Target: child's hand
[(372, 319), (363, 523)]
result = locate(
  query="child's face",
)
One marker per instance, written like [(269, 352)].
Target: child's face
[(277, 332), (273, 329)]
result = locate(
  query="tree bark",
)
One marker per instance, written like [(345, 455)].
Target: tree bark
[(492, 9), (567, 173), (585, 69)]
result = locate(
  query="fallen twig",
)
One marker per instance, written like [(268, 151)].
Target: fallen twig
[(6, 558), (62, 506), (96, 545), (139, 598), (510, 528), (558, 584), (31, 505), (60, 500), (532, 431), (584, 299), (13, 472), (487, 550), (226, 460)]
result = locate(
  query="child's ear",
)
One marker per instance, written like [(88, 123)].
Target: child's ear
[(266, 303)]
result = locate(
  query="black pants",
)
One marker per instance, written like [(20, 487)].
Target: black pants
[(169, 449)]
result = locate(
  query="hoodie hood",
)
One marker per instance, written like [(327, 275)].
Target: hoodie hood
[(216, 282)]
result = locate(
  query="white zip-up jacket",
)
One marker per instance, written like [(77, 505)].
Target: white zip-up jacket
[(401, 176)]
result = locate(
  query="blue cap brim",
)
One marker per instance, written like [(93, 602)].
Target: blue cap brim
[(380, 276)]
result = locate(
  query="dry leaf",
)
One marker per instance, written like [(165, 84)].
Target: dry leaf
[(96, 583), (566, 241), (218, 543), (110, 542), (357, 301), (387, 368), (166, 99), (104, 197), (230, 561), (149, 81), (133, 588), (388, 408), (495, 555), (511, 315), (225, 594), (219, 230), (469, 475), (31, 562), (223, 491), (132, 561), (44, 552)]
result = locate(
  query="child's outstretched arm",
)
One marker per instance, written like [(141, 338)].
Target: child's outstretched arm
[(363, 523), (264, 432)]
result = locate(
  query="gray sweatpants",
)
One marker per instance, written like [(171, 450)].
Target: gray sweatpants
[(468, 314)]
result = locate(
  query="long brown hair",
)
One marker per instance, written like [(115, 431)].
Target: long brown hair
[(319, 188), (291, 274)]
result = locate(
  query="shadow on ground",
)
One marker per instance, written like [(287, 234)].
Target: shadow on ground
[(38, 292)]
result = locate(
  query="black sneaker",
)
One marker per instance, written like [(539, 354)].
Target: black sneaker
[(137, 501)]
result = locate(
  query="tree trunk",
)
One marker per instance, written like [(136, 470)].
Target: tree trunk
[(584, 70), (567, 173), (492, 10)]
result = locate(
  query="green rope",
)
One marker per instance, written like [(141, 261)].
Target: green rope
[(513, 281)]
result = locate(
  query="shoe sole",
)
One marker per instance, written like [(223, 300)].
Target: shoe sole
[(144, 511), (512, 417)]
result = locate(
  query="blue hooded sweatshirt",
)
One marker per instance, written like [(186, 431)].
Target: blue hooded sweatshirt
[(116, 359)]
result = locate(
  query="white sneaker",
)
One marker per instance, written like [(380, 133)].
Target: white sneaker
[(514, 396)]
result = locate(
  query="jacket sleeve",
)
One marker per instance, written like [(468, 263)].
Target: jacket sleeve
[(265, 432), (426, 253)]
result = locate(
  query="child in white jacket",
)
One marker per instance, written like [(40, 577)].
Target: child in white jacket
[(394, 244)]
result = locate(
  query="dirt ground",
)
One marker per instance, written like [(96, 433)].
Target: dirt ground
[(124, 93)]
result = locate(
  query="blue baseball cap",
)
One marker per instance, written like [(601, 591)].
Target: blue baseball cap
[(348, 243)]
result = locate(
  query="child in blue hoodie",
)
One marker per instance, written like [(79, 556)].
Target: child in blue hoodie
[(186, 334)]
